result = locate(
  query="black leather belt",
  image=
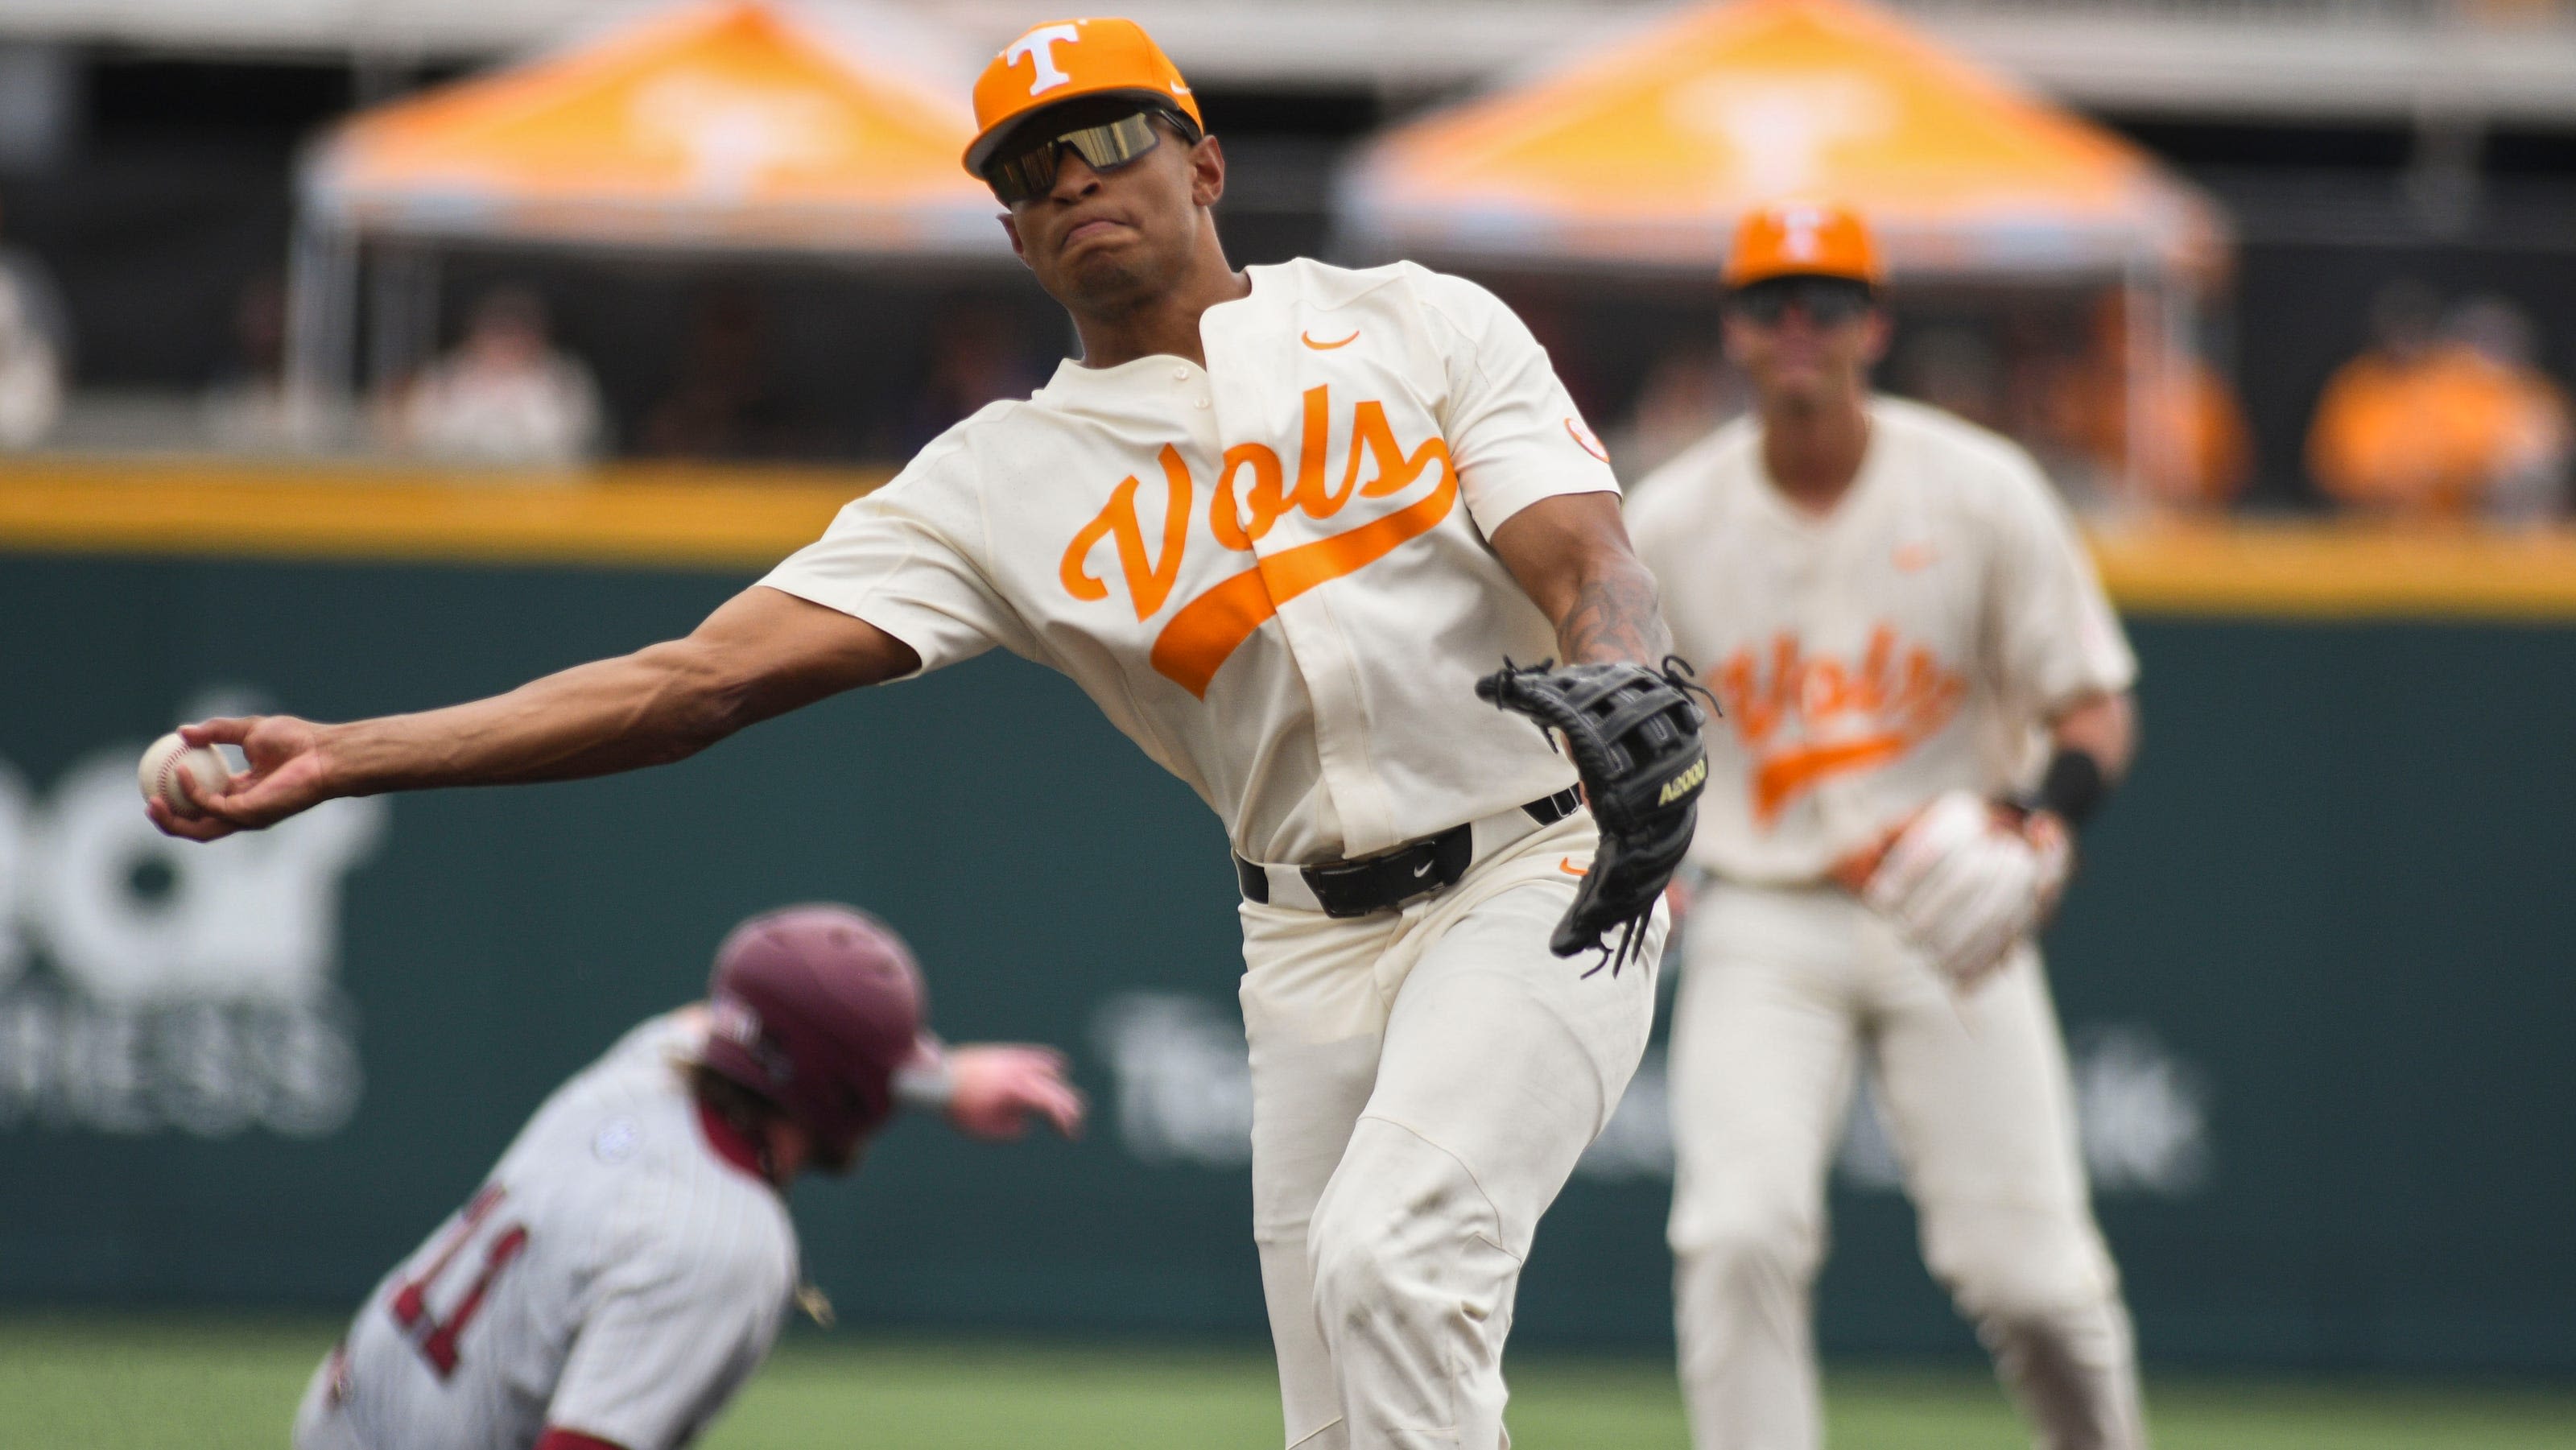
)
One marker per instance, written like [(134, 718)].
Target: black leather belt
[(1389, 879)]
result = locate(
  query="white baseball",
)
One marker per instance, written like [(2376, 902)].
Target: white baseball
[(158, 775)]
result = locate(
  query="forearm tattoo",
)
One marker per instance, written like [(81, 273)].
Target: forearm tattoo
[(1615, 616)]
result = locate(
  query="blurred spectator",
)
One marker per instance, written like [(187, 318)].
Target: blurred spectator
[(2435, 424), (31, 376), (1687, 393), (505, 395), (2528, 477), (976, 356), (725, 401), (34, 349), (2195, 453)]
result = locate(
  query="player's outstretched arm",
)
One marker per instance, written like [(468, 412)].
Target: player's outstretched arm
[(994, 1088), (762, 653), (1571, 554)]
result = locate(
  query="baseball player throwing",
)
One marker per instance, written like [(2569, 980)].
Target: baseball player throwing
[(625, 1267), (1906, 637), (1282, 525)]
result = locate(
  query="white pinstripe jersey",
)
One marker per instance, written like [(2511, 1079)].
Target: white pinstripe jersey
[(613, 1276)]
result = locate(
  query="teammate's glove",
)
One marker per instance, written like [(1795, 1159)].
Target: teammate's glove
[(1634, 737), (1964, 885)]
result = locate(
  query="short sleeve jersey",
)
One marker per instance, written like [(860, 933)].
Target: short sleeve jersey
[(1273, 572), (1915, 639), (613, 1276)]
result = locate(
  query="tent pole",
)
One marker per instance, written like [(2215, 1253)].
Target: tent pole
[(2139, 369), (321, 319)]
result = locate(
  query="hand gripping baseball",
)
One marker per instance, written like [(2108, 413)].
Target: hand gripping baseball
[(285, 776), (1634, 736)]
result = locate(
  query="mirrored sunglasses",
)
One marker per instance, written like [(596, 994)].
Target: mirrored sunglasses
[(1826, 301), (1030, 172)]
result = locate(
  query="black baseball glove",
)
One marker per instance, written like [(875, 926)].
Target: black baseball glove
[(1634, 736)]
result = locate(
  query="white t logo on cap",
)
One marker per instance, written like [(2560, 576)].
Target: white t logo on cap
[(1802, 224), (1039, 46)]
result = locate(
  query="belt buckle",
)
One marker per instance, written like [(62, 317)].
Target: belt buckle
[(1347, 889), (1394, 878)]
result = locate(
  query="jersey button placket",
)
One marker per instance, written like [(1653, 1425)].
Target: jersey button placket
[(1325, 667)]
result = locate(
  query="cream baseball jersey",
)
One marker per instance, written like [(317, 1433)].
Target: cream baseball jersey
[(1914, 640), (614, 1276), (1272, 573)]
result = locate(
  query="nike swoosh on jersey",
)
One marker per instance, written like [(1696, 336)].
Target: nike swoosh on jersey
[(1308, 338), (1910, 557)]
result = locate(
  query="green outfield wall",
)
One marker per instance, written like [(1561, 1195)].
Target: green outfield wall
[(2318, 974)]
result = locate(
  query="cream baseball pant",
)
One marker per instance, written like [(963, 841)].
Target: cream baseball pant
[(1782, 991), (1422, 1082)]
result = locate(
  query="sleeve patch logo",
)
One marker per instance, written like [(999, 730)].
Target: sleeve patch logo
[(1584, 439)]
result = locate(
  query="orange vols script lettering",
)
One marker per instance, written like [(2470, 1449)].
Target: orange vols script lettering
[(1147, 584), (1252, 493), (1848, 718)]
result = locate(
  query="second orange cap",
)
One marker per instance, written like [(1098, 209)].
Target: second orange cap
[(1803, 239)]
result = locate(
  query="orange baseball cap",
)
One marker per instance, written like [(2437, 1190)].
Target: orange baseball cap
[(1063, 59), (1803, 239)]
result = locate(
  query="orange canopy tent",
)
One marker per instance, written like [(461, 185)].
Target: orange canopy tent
[(729, 126), (1643, 153), (1640, 155)]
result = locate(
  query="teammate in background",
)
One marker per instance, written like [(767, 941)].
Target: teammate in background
[(627, 1264), (1906, 638), (1278, 524)]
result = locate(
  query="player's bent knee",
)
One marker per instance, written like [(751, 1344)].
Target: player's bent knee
[(1404, 1228), (1355, 1279), (2014, 1269), (1748, 1248)]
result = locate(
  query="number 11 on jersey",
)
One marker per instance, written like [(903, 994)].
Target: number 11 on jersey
[(436, 1338)]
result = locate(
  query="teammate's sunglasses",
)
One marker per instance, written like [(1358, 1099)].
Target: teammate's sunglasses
[(1029, 172), (1827, 301)]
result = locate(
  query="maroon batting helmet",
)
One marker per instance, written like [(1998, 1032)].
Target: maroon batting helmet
[(814, 1007)]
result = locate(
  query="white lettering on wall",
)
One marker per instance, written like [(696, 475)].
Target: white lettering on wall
[(191, 987), (1184, 1096)]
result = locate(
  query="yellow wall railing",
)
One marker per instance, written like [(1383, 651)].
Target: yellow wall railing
[(743, 519), (625, 515), (2325, 571)]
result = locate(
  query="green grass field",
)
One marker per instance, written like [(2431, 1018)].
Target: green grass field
[(116, 1384)]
